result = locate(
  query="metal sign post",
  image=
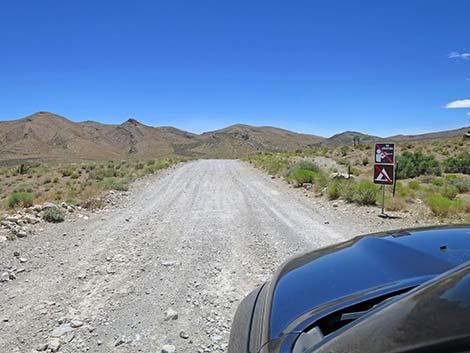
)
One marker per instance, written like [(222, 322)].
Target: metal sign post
[(383, 200), (384, 168)]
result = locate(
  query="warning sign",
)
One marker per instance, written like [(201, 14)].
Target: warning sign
[(384, 174), (384, 153)]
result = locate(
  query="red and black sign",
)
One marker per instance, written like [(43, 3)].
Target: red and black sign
[(384, 174), (384, 153)]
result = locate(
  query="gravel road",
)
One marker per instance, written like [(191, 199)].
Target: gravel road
[(167, 268)]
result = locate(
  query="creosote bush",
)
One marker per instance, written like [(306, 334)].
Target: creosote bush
[(366, 193), (302, 176), (458, 164), (53, 214), (20, 199), (113, 184), (411, 165)]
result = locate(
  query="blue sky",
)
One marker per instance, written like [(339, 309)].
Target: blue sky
[(319, 67)]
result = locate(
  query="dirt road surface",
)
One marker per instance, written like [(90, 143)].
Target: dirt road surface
[(168, 268)]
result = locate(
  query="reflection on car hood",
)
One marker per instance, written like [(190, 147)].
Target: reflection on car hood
[(435, 315), (329, 274)]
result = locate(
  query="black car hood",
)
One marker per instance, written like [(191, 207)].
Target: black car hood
[(434, 317), (363, 264)]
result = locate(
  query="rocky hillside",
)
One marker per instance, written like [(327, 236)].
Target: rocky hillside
[(347, 137), (48, 136)]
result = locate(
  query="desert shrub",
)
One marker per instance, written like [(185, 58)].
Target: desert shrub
[(355, 171), (275, 166), (366, 193), (162, 164), (347, 190), (414, 185), (365, 161), (333, 189), (307, 166), (344, 150), (442, 206), (302, 176), (94, 204), (395, 203), (402, 190), (22, 199), (449, 191), (75, 176), (67, 172), (96, 174), (438, 182), (24, 187), (112, 184), (411, 165), (321, 181), (458, 164), (53, 214), (462, 185)]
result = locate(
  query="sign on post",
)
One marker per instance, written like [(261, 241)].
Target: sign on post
[(384, 174), (384, 153), (384, 167)]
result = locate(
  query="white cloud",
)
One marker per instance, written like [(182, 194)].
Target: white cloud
[(463, 103), (457, 55)]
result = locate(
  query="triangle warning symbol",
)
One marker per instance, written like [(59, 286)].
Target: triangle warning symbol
[(383, 176)]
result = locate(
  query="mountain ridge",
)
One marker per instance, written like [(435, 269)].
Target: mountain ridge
[(45, 135)]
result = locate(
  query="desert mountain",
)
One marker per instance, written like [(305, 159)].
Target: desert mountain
[(347, 137), (48, 136)]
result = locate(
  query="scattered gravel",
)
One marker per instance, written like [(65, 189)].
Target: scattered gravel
[(163, 268)]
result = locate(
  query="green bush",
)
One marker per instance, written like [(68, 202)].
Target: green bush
[(442, 206), (53, 214), (321, 181), (112, 184), (462, 185), (366, 193), (449, 191), (302, 176), (458, 164), (347, 190), (414, 185), (411, 165), (307, 166), (402, 190), (22, 199), (355, 171), (67, 172), (333, 189), (276, 167), (96, 174)]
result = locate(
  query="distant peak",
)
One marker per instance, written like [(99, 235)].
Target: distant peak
[(44, 115), (38, 114), (132, 121)]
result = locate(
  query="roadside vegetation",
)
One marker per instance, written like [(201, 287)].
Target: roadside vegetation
[(435, 174), (74, 183)]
